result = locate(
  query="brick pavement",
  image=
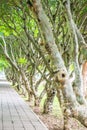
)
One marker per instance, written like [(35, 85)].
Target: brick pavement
[(15, 114)]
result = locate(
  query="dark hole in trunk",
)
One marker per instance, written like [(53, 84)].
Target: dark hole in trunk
[(63, 75)]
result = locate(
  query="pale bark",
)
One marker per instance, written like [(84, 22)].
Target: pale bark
[(54, 53), (48, 103), (78, 81), (48, 35), (62, 74), (33, 90)]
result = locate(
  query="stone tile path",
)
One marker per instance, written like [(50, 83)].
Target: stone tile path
[(15, 114)]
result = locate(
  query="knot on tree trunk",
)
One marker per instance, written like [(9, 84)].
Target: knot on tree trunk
[(61, 76)]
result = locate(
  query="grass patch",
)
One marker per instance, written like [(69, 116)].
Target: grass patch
[(56, 107)]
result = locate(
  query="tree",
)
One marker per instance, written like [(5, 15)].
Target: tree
[(62, 74), (50, 39)]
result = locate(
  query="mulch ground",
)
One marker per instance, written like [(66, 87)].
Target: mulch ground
[(56, 123)]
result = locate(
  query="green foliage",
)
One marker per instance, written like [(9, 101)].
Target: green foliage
[(1, 33), (56, 108), (71, 68), (3, 64), (5, 30), (22, 61), (36, 32), (84, 53)]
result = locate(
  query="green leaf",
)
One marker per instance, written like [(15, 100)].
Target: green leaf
[(71, 68), (22, 61), (36, 33)]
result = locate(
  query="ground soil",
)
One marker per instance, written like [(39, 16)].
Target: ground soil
[(56, 123)]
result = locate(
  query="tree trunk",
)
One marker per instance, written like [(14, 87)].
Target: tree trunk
[(62, 74), (78, 88), (26, 84), (33, 91), (48, 103)]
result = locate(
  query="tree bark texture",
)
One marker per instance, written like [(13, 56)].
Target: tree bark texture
[(78, 88), (48, 104), (62, 76)]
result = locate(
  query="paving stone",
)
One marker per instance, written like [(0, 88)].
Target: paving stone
[(15, 113)]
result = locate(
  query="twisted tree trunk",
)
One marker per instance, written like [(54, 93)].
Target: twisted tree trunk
[(70, 101)]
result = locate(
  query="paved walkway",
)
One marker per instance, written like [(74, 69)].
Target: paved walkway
[(15, 114)]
